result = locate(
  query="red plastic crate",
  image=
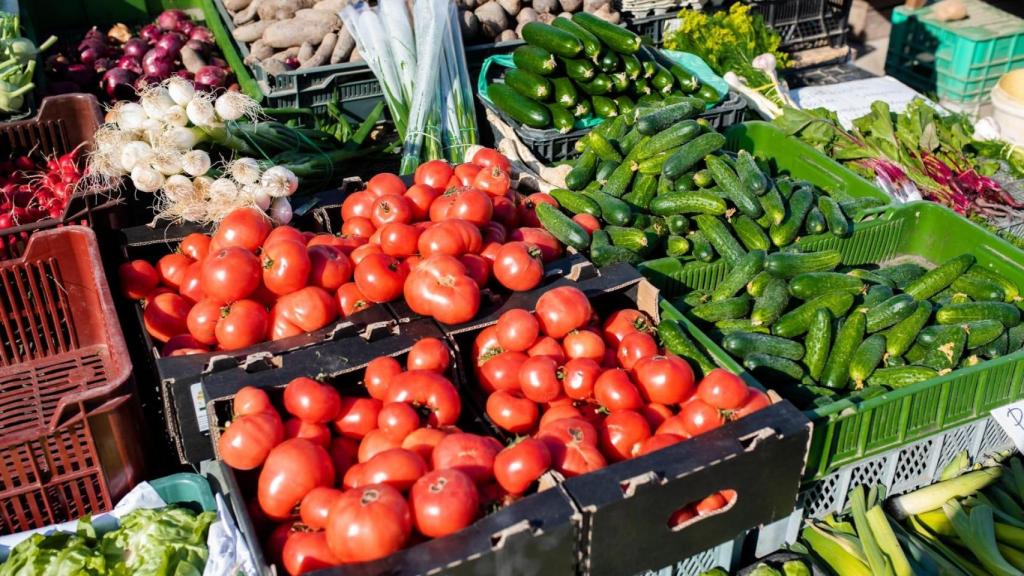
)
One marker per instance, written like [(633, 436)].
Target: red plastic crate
[(70, 443)]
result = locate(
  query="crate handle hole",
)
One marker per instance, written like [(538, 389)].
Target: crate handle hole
[(713, 504)]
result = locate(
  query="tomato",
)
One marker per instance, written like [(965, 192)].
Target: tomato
[(682, 516), (305, 552), (357, 205), (397, 420), (665, 379), (573, 446), (292, 469), (434, 173), (505, 212), (464, 174), (196, 246), (519, 266), (397, 467), (245, 228), (381, 277), (344, 242), (538, 379), (286, 266), (248, 440), (486, 343), (501, 371), (183, 345), (284, 233), (621, 434), (309, 309), (242, 324), (656, 414), (517, 330), (698, 416), (755, 401), (137, 279), (444, 502), (547, 346), (468, 453), (375, 442), (440, 288), (428, 354), (357, 416), (420, 198), (251, 400), (230, 274), (397, 239), (550, 248), (488, 157), (423, 440), (451, 237), (635, 347), (517, 467), (723, 390), (622, 323), (477, 267), (359, 254), (563, 310), (588, 222), (510, 411), (354, 476), (555, 413), (351, 300), (166, 316), (192, 282), (390, 208), (171, 269), (368, 523), (428, 390), (467, 204), (570, 430), (202, 321), (329, 268), (316, 505), (493, 181), (578, 378), (583, 344), (528, 208), (311, 401), (656, 442), (675, 425), (384, 184), (358, 226), (315, 433), (614, 390), (378, 375), (344, 453)]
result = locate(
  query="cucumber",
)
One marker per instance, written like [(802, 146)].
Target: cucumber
[(624, 103), (603, 148), (607, 61), (654, 164), (677, 224), (649, 68), (565, 91), (981, 332), (628, 144), (752, 178), (669, 138), (719, 236), (600, 85), (901, 376), (773, 365), (575, 202), (604, 107), (684, 182), (578, 69), (741, 273), (866, 358), (619, 181), (785, 186), (695, 298), (901, 275), (812, 284), (892, 361), (758, 283), (869, 276), (645, 188), (562, 227), (691, 153), (936, 280), (602, 253), (834, 217), (701, 247), (708, 94), (877, 294), (750, 234), (676, 246), (663, 80), (534, 59), (604, 171), (631, 65), (994, 349), (702, 178), (664, 185), (613, 210), (616, 37), (729, 182), (772, 303), (888, 313), (945, 354), (735, 307), (790, 264), (687, 203), (814, 223), (554, 40), (743, 343), (582, 109), (591, 45), (642, 90), (856, 208), (583, 172), (818, 342), (799, 205), (1011, 292), (654, 121), (798, 320), (900, 337), (774, 206), (739, 325), (676, 341), (518, 107), (915, 355), (561, 118), (1008, 314), (638, 241), (979, 288), (848, 338)]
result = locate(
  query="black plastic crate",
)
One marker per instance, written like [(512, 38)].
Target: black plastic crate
[(806, 24), (653, 27), (826, 75)]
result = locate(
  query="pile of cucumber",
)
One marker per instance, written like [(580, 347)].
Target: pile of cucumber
[(798, 323), (585, 67)]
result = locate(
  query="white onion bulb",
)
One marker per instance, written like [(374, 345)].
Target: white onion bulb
[(281, 211), (279, 181), (145, 179)]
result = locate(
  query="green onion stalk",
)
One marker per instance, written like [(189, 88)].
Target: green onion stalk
[(431, 22), (460, 116)]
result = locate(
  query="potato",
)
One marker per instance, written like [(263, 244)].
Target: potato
[(469, 24), (571, 5), (356, 56), (605, 13), (252, 31), (288, 33), (236, 5), (566, 15), (306, 51), (493, 19), (332, 5), (467, 4), (511, 7), (527, 14), (322, 54), (325, 15), (281, 9), (273, 66), (343, 47), (593, 5), (248, 14), (546, 17), (519, 29), (507, 36), (546, 6), (258, 51)]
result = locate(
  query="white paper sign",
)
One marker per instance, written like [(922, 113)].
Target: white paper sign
[(1011, 418), (853, 99)]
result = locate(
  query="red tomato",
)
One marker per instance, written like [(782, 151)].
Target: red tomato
[(578, 378), (202, 321), (622, 323), (428, 390), (192, 282), (286, 266), (274, 543), (137, 278), (583, 344), (315, 433), (242, 324), (756, 400), (588, 222), (501, 371), (397, 239), (440, 288), (166, 316), (477, 267), (452, 237), (351, 300), (517, 330), (248, 440), (344, 454), (570, 430), (711, 503), (423, 440), (664, 379), (230, 274), (656, 414), (251, 400), (505, 212), (486, 343), (614, 390), (292, 469), (682, 516), (517, 467), (344, 242), (657, 442), (311, 401), (443, 502), (357, 416), (357, 205), (621, 434), (528, 208), (489, 157), (519, 266), (468, 453), (315, 506), (723, 390), (467, 204), (493, 181), (196, 246), (397, 420), (359, 254), (284, 233), (573, 446), (510, 411), (464, 175), (547, 346), (375, 442), (559, 413), (538, 379), (385, 183), (563, 310), (380, 277), (699, 416), (183, 345), (245, 228), (368, 523), (550, 248), (434, 173), (329, 268), (674, 425), (397, 467), (358, 226), (305, 552), (420, 198), (310, 309), (635, 347), (428, 354), (391, 208), (378, 374), (171, 269)]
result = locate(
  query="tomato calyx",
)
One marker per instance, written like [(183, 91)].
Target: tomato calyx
[(369, 496), (437, 486), (488, 354)]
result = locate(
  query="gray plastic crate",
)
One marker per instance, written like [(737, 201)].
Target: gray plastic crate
[(726, 556)]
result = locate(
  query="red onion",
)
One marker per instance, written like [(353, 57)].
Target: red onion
[(210, 77), (200, 47), (202, 33), (186, 27), (89, 56), (155, 65), (57, 63), (101, 65), (129, 63), (144, 81), (292, 62), (219, 62), (185, 74), (168, 19), (171, 42), (117, 83), (150, 33), (136, 47), (80, 74)]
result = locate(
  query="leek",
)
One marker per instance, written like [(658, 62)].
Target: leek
[(834, 552), (1010, 535), (925, 559), (977, 531), (934, 496), (1003, 501), (956, 466), (949, 554), (1014, 556), (886, 538), (877, 560)]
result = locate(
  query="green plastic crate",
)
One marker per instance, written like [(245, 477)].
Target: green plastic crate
[(187, 489), (846, 432), (959, 61)]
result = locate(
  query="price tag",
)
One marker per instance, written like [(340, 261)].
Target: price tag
[(199, 404), (1011, 418)]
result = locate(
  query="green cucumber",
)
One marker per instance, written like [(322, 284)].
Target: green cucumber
[(604, 171), (518, 107), (654, 164), (603, 253), (628, 144), (743, 343), (814, 222), (663, 80), (676, 341), (869, 276), (677, 224), (837, 222), (687, 203), (615, 37), (534, 59), (739, 325), (582, 109), (565, 91), (691, 153), (603, 148), (758, 283), (798, 320), (736, 307), (901, 376), (790, 264), (775, 365), (695, 298), (645, 188), (1008, 314), (552, 39), (877, 294), (677, 246), (1016, 335), (900, 337), (892, 361), (664, 185), (994, 349), (607, 61), (901, 275), (848, 338), (866, 358), (741, 273), (799, 205), (687, 82), (936, 280), (604, 107), (729, 182), (772, 303), (979, 288), (631, 65), (888, 313), (625, 104), (708, 94), (702, 178), (718, 234), (654, 121), (1011, 292), (812, 284), (613, 210), (591, 45), (684, 182), (774, 206), (638, 241), (562, 227), (649, 68), (669, 138), (583, 172), (578, 69), (945, 353), (818, 342), (750, 175), (561, 118), (619, 181), (601, 85), (750, 233), (701, 247), (642, 90), (856, 208), (981, 332), (575, 202)]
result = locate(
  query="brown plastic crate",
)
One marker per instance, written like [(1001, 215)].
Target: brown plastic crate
[(70, 443)]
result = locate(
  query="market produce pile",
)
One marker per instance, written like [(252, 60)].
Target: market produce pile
[(33, 188)]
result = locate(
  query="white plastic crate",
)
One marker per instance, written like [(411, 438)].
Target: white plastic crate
[(725, 556)]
